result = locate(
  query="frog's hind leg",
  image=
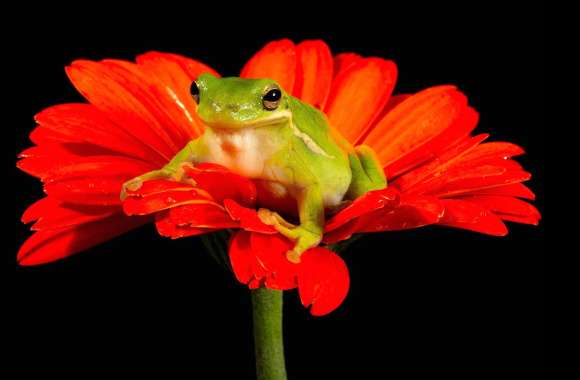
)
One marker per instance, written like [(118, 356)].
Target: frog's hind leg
[(309, 233), (367, 172)]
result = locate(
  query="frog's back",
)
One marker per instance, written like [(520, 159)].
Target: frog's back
[(323, 156)]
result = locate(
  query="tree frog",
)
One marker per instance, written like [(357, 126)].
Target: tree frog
[(256, 129)]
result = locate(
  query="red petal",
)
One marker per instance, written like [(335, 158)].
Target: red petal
[(99, 166), (518, 219), (166, 227), (46, 246), (323, 280), (270, 251), (277, 61), (412, 212), (85, 123), (158, 195), (359, 94), (93, 180), (313, 72), (244, 263), (42, 159), (204, 215), (345, 231), (518, 190), (93, 191), (493, 150), (120, 95), (505, 205), (370, 201), (248, 218), (470, 216), (41, 136), (51, 213), (223, 184), (466, 180)]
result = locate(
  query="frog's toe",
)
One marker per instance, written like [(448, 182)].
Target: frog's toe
[(304, 240), (131, 185), (272, 218)]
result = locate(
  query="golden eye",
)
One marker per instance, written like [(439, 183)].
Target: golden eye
[(271, 99), (194, 90)]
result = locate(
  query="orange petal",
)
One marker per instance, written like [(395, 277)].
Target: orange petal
[(416, 121), (161, 100), (359, 94), (420, 179), (121, 96), (277, 61), (460, 128), (176, 73), (313, 72), (155, 62), (46, 246), (343, 61)]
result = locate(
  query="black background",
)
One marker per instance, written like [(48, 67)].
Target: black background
[(425, 302)]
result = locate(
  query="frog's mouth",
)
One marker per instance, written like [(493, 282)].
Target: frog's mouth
[(277, 118)]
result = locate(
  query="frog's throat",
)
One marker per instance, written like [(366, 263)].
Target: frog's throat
[(281, 117)]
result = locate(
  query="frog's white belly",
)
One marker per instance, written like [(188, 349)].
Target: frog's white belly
[(245, 151)]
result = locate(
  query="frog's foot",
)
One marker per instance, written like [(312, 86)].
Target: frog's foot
[(371, 166), (136, 183), (367, 172), (303, 238)]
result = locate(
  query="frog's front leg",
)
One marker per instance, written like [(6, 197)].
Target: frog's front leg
[(173, 170), (309, 233), (367, 172)]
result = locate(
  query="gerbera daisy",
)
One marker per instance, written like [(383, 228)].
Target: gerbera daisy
[(141, 114)]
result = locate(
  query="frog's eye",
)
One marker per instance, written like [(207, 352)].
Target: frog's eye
[(194, 90), (271, 98)]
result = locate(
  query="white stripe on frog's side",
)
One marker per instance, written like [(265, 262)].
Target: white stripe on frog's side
[(311, 144), (286, 114)]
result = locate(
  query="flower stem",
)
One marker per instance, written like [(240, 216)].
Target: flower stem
[(268, 340)]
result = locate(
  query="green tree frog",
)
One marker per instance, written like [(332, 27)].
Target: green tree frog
[(257, 130)]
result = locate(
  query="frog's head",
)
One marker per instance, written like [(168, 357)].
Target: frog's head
[(231, 103)]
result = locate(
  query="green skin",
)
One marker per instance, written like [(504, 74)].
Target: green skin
[(287, 146)]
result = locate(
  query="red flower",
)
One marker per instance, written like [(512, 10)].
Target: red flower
[(141, 114)]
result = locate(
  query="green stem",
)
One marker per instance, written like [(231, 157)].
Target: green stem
[(268, 340)]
